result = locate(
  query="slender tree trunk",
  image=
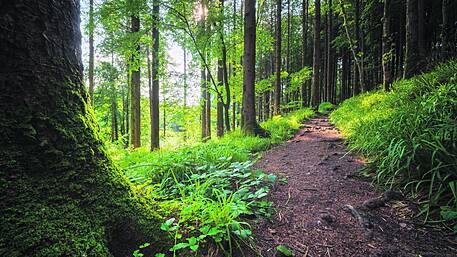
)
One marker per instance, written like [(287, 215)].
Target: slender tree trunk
[(315, 92), (127, 109), (304, 90), (287, 84), (154, 89), (412, 60), (329, 83), (220, 104), (225, 72), (56, 180), (114, 125), (208, 111), (135, 117), (203, 102), (386, 47), (445, 30), (357, 68), (91, 52), (277, 105), (420, 29)]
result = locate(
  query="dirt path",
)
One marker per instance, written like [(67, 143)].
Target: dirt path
[(311, 217)]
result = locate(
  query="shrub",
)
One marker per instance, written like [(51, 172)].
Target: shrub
[(410, 135)]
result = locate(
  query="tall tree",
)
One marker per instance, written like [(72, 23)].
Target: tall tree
[(203, 102), (154, 90), (315, 90), (56, 178), (250, 125), (278, 31), (412, 60), (304, 89), (220, 104), (91, 51), (135, 89), (329, 70), (386, 46)]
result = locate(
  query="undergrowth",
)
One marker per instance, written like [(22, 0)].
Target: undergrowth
[(410, 135), (209, 190)]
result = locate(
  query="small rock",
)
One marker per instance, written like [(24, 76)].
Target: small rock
[(403, 225)]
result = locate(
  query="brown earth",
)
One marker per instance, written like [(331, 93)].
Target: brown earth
[(312, 218)]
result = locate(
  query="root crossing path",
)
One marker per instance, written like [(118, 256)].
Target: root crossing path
[(323, 207)]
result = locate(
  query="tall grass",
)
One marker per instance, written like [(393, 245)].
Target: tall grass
[(410, 135)]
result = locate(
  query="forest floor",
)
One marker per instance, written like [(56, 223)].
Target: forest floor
[(312, 216)]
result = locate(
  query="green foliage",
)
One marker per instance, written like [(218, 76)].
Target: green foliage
[(410, 135), (325, 107), (208, 189), (284, 250), (283, 127)]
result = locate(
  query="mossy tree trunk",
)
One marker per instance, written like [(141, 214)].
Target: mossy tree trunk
[(60, 195)]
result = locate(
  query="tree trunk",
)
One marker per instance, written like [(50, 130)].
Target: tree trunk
[(220, 104), (386, 47), (277, 105), (154, 90), (203, 102), (304, 90), (114, 125), (208, 110), (135, 94), (412, 60), (57, 181), (225, 72), (420, 29), (250, 125), (91, 52), (287, 84), (315, 92), (357, 68), (445, 30), (329, 83)]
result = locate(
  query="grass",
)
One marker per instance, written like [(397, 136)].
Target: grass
[(207, 190), (410, 136)]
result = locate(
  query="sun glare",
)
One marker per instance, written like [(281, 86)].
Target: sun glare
[(200, 12)]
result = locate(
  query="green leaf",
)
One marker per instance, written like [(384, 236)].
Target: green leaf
[(194, 247), (144, 245), (179, 246), (284, 250)]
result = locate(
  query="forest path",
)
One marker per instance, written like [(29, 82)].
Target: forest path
[(311, 217)]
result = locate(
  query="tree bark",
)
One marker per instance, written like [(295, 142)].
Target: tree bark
[(203, 102), (154, 90), (412, 60), (135, 92), (386, 46), (277, 105), (250, 125), (57, 180), (220, 104), (304, 90), (329, 83), (315, 92), (91, 52)]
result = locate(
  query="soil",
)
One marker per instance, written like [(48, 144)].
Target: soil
[(311, 213)]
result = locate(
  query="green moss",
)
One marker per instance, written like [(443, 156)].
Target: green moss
[(60, 194)]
